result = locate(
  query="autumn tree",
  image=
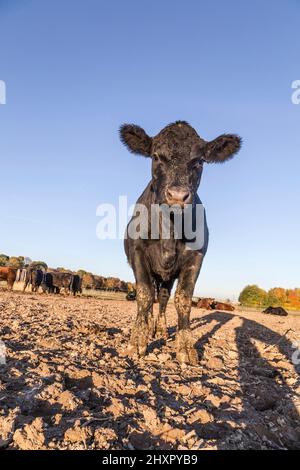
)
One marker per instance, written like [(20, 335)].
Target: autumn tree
[(112, 283), (123, 286), (81, 272), (99, 282), (276, 297), (39, 265), (3, 259), (130, 286), (16, 262), (293, 299), (253, 296), (88, 281)]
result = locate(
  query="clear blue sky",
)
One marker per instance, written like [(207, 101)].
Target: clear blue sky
[(76, 70)]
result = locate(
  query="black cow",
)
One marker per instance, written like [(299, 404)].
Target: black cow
[(34, 277), (276, 311), (47, 283), (54, 281), (76, 284), (178, 155)]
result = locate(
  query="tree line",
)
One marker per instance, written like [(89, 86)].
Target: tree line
[(254, 296), (89, 280)]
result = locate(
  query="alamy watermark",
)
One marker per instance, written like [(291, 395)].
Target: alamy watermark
[(296, 94), (2, 92), (155, 221), (2, 353)]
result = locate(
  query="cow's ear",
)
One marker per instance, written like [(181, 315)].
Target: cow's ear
[(136, 139), (222, 148)]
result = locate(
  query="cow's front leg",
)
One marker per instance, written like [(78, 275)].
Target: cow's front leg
[(186, 352), (145, 298), (10, 285), (141, 329)]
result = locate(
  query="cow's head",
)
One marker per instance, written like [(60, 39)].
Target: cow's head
[(178, 155)]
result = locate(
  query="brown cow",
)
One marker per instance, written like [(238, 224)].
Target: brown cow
[(205, 303), (9, 275), (212, 304), (222, 306)]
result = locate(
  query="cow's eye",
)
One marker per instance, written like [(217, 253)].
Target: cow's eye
[(156, 157), (196, 164)]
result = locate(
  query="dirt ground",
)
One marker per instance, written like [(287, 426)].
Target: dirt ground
[(68, 384)]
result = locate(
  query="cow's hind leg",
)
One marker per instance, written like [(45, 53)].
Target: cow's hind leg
[(159, 324), (25, 285), (186, 352)]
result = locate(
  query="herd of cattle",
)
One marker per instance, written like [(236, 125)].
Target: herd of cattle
[(50, 282), (54, 282), (212, 304)]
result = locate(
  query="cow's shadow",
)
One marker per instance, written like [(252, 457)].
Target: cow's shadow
[(268, 409), (259, 411)]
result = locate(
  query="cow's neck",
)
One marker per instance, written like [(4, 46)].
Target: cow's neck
[(167, 246)]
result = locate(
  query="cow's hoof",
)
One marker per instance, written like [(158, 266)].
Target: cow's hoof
[(151, 326), (186, 352), (161, 333), (158, 328), (136, 350), (138, 342), (161, 330)]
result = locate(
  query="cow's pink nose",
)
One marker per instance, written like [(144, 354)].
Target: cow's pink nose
[(178, 195)]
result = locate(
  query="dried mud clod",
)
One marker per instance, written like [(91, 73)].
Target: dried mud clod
[(186, 352)]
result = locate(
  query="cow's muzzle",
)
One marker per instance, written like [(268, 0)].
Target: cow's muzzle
[(178, 196)]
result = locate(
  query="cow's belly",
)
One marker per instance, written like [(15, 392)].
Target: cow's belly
[(164, 259)]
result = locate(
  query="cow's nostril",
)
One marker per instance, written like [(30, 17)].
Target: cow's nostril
[(169, 194), (177, 194), (185, 196)]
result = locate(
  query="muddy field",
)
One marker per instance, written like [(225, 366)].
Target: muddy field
[(68, 384)]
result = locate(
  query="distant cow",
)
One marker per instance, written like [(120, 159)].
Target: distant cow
[(9, 275), (212, 304), (54, 281), (47, 283), (131, 295), (178, 154), (34, 277), (205, 303), (222, 306), (76, 284), (276, 311)]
